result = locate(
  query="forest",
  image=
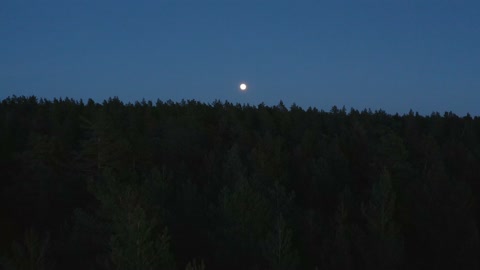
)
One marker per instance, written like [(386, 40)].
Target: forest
[(204, 186)]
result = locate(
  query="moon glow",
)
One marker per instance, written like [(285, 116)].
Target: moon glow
[(243, 87)]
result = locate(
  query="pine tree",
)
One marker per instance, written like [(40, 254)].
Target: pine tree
[(244, 218), (279, 250), (278, 247), (195, 265), (382, 245), (342, 241), (31, 254), (137, 241)]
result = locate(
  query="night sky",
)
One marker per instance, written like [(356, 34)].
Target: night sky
[(385, 54)]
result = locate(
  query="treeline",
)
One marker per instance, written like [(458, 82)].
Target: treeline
[(190, 185)]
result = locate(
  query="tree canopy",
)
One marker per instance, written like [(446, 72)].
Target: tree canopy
[(190, 185)]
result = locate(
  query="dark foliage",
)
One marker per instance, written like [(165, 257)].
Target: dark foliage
[(190, 185)]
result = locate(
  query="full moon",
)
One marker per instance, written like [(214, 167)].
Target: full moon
[(243, 87)]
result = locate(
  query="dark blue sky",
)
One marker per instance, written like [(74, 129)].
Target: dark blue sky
[(393, 55)]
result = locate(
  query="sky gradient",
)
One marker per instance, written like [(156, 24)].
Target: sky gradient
[(385, 54)]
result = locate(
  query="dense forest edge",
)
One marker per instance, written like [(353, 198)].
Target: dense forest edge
[(190, 185)]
